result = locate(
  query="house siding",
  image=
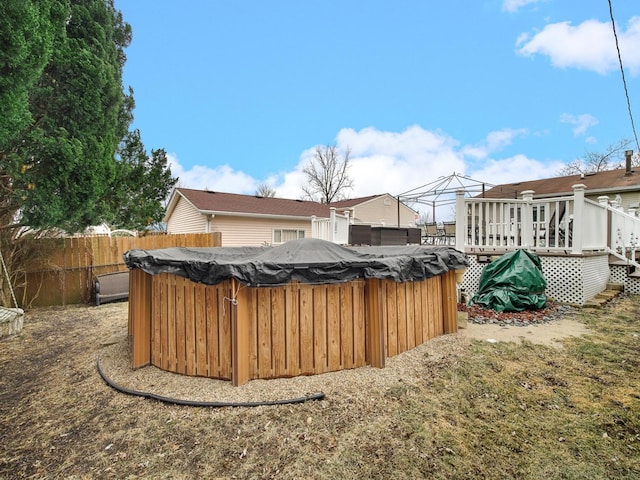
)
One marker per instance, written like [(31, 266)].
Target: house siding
[(629, 199), (186, 219), (384, 211), (248, 232)]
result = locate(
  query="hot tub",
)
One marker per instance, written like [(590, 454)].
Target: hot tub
[(303, 308)]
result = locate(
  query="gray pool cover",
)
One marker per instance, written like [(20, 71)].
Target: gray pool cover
[(307, 260)]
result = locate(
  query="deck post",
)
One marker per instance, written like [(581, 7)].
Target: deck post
[(527, 219), (578, 209), (240, 334), (374, 323), (461, 227)]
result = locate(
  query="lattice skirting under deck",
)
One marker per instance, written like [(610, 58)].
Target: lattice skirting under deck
[(572, 279)]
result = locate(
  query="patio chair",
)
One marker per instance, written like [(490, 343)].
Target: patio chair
[(431, 233), (449, 229)]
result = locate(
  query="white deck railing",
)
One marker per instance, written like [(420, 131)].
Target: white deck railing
[(334, 229), (569, 225)]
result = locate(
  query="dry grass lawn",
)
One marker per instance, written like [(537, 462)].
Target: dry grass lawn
[(472, 409)]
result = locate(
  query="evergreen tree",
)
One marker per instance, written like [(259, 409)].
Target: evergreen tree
[(142, 184), (66, 160), (27, 32), (59, 164)]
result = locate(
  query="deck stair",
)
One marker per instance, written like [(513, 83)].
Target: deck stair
[(633, 265), (604, 297)]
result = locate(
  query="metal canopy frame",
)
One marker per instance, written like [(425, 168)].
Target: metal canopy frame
[(442, 191)]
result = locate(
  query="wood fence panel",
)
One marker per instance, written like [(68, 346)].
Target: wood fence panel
[(449, 302), (403, 326), (225, 292), (157, 318), (278, 333), (418, 313), (374, 328), (240, 338), (172, 331), (359, 328), (334, 321), (320, 329), (292, 329), (140, 318), (434, 302), (202, 363), (264, 332), (391, 317), (181, 327), (307, 361), (67, 275), (214, 316), (165, 328), (347, 325)]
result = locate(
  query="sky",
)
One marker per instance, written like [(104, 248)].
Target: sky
[(242, 92)]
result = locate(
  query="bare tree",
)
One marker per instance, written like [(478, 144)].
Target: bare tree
[(265, 190), (327, 178), (593, 162), (424, 217)]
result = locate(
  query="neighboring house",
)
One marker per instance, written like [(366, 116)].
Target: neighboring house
[(249, 220), (377, 210), (243, 220), (624, 182)]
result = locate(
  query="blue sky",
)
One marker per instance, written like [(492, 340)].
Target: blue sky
[(240, 92)]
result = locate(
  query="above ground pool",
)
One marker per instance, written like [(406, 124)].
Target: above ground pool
[(302, 308)]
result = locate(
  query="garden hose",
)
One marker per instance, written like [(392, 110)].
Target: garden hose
[(195, 403)]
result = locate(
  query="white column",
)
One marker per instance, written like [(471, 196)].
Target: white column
[(527, 219), (578, 208), (332, 224)]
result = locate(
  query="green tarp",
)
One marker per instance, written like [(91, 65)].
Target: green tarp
[(512, 283)]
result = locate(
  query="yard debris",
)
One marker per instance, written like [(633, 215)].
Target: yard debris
[(550, 312)]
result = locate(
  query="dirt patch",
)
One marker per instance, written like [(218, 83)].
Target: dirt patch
[(551, 334)]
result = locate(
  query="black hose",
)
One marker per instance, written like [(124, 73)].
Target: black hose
[(194, 403)]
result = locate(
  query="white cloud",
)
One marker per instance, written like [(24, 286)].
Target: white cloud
[(581, 122), (515, 169), (588, 46), (494, 142), (513, 6), (222, 178), (387, 162)]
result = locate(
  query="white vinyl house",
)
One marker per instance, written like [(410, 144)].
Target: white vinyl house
[(249, 220)]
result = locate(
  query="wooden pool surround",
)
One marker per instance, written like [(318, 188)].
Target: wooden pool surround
[(234, 332)]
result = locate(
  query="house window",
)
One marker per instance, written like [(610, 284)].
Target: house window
[(281, 235)]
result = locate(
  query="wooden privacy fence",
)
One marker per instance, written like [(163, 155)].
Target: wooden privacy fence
[(68, 274), (230, 331)]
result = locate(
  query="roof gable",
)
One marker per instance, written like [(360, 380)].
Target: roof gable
[(352, 202), (356, 202)]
